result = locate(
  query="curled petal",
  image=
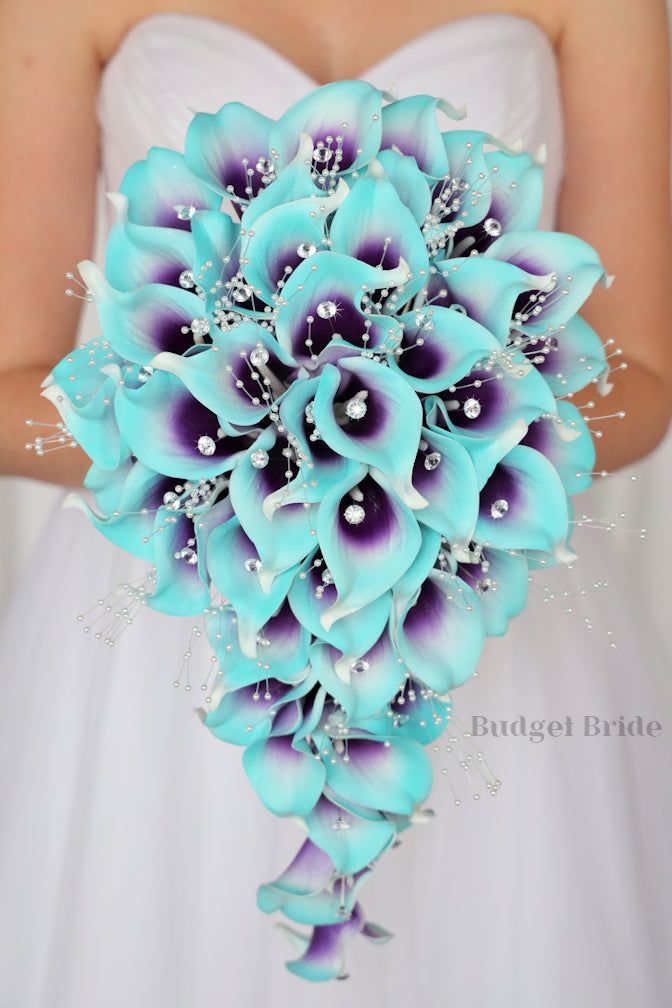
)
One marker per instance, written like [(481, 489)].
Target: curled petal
[(409, 182), (523, 505), (367, 546), (411, 580), (309, 873), (284, 537), (311, 596), (516, 195), (282, 647), (416, 713), (284, 237), (484, 450), (225, 378), (486, 290), (324, 954), (470, 185), (234, 566), (440, 636), (386, 436), (245, 715), (439, 347), (572, 358), (163, 425), (294, 182), (137, 254), (107, 485), (374, 226), (331, 903), (391, 776), (567, 443), (343, 120), (351, 839), (365, 686), (321, 466), (216, 256), (501, 581), (323, 301), (230, 150), (445, 476), (285, 775), (141, 323), (163, 192), (181, 589), (92, 421), (489, 400), (575, 266), (129, 514), (411, 127)]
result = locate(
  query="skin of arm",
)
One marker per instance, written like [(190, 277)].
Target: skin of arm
[(48, 81), (614, 73)]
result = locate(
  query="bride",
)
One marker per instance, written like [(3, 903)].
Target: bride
[(131, 843)]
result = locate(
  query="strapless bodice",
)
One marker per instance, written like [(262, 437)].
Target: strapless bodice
[(168, 66)]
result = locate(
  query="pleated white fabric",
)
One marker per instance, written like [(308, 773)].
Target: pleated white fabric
[(131, 844)]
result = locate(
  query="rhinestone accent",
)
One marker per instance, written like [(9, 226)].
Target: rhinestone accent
[(327, 309), (472, 409), (145, 373), (359, 666), (433, 460), (252, 565), (423, 320), (259, 357), (492, 227), (305, 250), (200, 327), (185, 212), (355, 408), (171, 500), (259, 458), (354, 514), (206, 445), (499, 508), (186, 279), (265, 166)]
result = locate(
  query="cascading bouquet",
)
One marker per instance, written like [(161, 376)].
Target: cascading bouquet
[(330, 406)]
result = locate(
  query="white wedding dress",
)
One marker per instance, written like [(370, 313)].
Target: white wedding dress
[(131, 843)]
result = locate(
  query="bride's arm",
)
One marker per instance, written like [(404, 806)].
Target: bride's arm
[(48, 83), (616, 195)]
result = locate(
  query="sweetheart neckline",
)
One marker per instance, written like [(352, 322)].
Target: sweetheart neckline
[(269, 53)]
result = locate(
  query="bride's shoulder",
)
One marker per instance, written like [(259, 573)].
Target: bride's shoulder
[(92, 29), (40, 31)]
